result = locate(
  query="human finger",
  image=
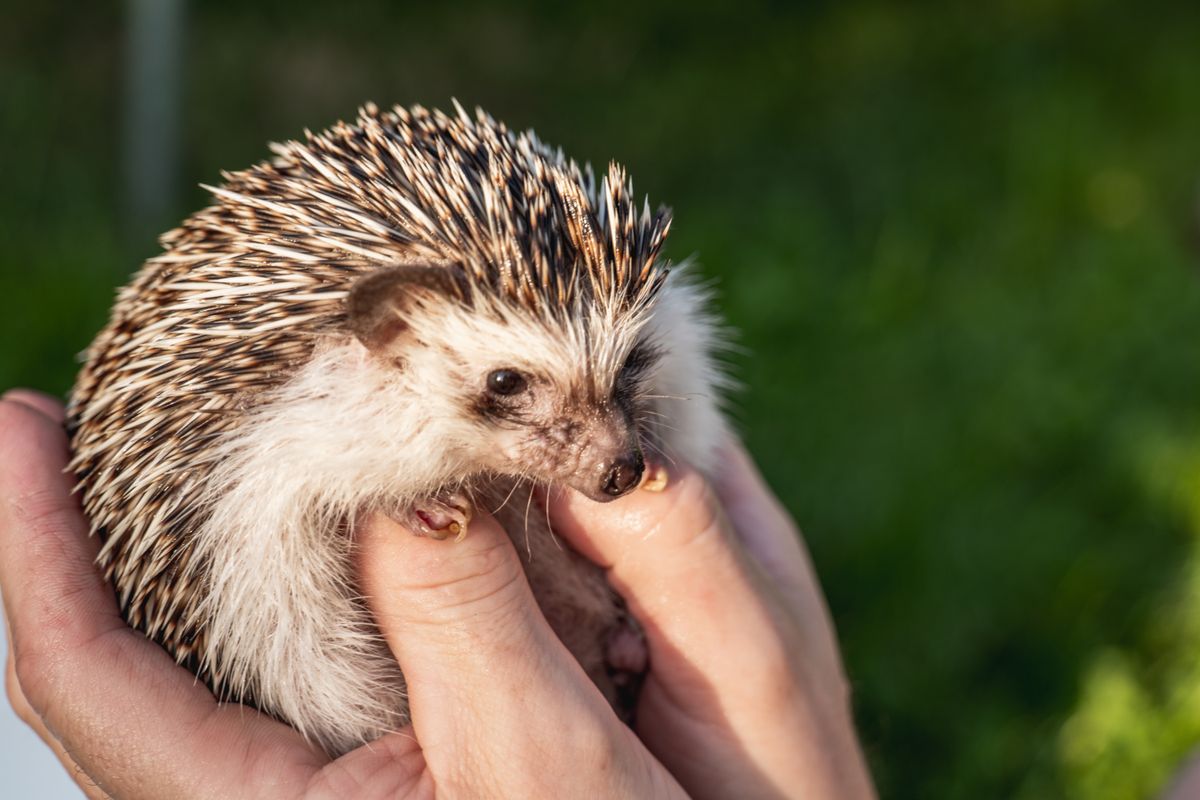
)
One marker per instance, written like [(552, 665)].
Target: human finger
[(498, 703), (763, 525), (664, 550), (774, 541), (730, 667), (43, 403), (24, 711)]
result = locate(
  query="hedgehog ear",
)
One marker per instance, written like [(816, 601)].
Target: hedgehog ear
[(379, 303)]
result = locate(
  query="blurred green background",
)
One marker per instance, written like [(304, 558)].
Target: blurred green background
[(959, 244)]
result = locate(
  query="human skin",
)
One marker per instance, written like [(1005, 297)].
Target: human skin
[(1185, 785), (745, 696)]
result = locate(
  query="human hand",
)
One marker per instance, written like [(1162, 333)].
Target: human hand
[(746, 694), (500, 706)]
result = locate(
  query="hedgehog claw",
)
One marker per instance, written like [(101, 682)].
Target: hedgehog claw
[(441, 518)]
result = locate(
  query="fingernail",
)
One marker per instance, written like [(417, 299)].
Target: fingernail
[(655, 477)]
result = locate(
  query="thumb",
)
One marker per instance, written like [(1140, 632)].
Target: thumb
[(673, 556), (474, 647), (671, 547)]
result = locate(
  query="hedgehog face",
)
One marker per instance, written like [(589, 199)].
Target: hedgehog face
[(577, 430), (550, 400)]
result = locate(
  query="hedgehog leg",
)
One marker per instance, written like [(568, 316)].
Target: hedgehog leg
[(626, 649), (626, 656), (441, 517)]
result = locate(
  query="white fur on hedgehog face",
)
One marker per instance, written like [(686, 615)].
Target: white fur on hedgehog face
[(550, 401)]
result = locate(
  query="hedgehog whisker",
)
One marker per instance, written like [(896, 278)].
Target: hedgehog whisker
[(655, 419), (665, 426), (657, 422), (659, 451), (528, 501), (507, 497), (546, 511), (553, 536)]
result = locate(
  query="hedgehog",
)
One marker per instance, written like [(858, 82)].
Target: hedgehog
[(419, 314)]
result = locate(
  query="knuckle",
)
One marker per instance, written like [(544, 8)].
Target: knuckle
[(45, 666), (602, 752), (474, 568), (12, 690), (483, 577), (599, 750), (30, 678), (44, 512)]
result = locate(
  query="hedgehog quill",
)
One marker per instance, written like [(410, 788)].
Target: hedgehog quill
[(420, 314)]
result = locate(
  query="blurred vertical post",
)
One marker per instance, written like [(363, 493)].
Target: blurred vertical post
[(153, 68)]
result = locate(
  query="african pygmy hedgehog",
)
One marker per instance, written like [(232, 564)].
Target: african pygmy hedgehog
[(419, 314)]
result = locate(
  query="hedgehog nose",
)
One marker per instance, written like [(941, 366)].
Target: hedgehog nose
[(624, 474)]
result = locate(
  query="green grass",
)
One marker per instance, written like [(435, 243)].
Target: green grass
[(959, 245)]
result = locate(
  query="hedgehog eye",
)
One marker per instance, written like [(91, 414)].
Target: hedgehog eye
[(506, 382)]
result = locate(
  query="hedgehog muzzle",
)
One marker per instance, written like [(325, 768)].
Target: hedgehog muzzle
[(624, 474)]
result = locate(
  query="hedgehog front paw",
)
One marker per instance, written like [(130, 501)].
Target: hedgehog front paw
[(626, 651), (441, 517)]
